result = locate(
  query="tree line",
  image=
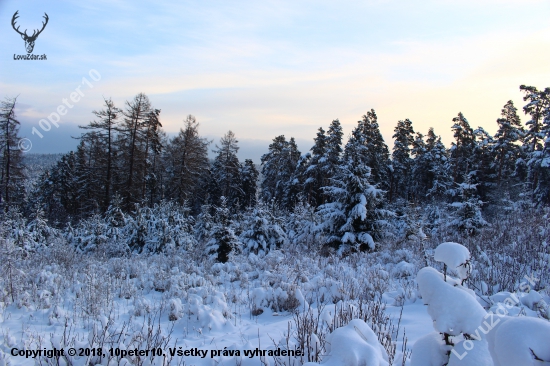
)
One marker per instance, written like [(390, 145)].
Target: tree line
[(124, 159)]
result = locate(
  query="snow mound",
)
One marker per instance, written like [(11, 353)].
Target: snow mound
[(531, 300), (354, 345), (430, 350), (453, 309), (520, 341), (471, 353), (452, 254)]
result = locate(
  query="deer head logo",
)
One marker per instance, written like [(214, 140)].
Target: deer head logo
[(29, 40)]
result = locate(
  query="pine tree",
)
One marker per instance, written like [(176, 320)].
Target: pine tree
[(333, 154), (440, 177), (106, 128), (186, 160), (262, 230), (536, 143), (484, 174), (401, 160), (225, 179), (505, 149), (278, 166), (313, 176), (462, 150), (153, 145), (353, 209), (11, 169), (223, 240), (249, 183), (296, 183), (375, 153), (378, 156), (467, 216), (420, 173)]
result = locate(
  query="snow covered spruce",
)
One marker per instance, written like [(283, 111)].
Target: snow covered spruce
[(465, 334)]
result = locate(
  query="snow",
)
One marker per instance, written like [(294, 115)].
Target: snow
[(354, 345), (471, 353), (430, 350), (452, 254), (515, 340), (453, 309), (531, 300), (253, 302)]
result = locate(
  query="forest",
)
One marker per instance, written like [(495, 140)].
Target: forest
[(139, 230)]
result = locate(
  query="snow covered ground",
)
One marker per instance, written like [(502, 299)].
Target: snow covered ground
[(206, 313)]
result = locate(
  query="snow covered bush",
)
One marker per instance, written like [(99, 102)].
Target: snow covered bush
[(262, 231), (467, 216), (454, 309), (353, 345), (223, 240), (520, 341), (455, 257)]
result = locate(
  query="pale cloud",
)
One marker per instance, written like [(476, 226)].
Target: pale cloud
[(268, 68)]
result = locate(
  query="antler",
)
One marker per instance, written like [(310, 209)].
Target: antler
[(44, 24), (34, 35), (15, 16)]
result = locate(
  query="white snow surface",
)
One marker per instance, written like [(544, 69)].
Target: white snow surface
[(453, 309), (430, 350), (515, 341), (452, 254), (471, 353), (210, 305), (354, 345)]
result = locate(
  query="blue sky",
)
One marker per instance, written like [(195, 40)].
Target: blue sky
[(264, 68)]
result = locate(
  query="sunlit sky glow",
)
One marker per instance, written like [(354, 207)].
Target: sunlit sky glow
[(265, 68)]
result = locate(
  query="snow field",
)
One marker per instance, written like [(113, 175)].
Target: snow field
[(327, 307)]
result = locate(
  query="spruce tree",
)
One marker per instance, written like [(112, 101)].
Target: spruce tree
[(278, 166), (484, 174), (462, 150), (313, 176), (377, 153), (536, 143), (440, 177), (467, 215), (223, 240), (401, 160), (352, 213), (225, 179), (333, 154), (262, 230), (505, 149), (153, 145), (249, 183), (187, 165), (420, 174), (296, 183), (11, 168)]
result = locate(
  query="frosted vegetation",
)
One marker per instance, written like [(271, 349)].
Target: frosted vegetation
[(349, 254)]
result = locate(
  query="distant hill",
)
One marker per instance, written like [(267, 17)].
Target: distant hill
[(36, 164)]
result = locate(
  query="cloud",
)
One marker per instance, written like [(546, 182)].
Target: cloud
[(269, 68)]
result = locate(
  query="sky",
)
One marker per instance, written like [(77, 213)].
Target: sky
[(266, 68)]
